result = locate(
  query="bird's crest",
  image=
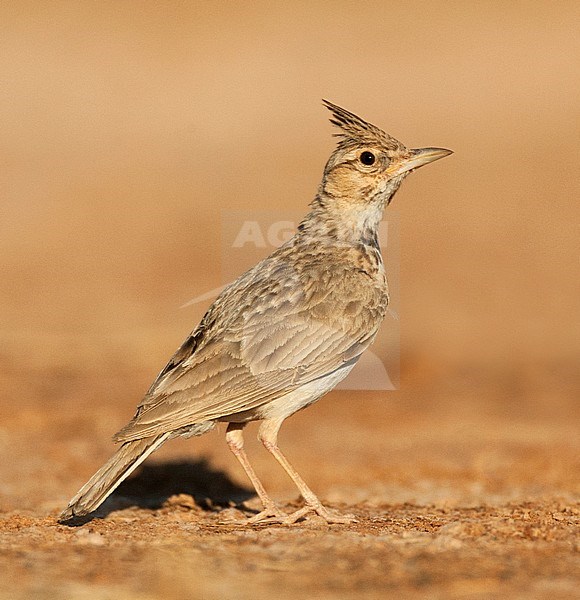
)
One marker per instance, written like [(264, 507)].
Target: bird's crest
[(353, 130)]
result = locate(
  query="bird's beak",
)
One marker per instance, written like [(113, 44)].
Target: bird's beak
[(419, 157)]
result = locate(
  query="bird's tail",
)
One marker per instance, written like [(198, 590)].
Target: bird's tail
[(127, 458)]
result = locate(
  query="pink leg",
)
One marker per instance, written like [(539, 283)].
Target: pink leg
[(268, 435), (235, 441)]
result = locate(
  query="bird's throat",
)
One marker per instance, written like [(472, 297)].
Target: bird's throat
[(333, 222)]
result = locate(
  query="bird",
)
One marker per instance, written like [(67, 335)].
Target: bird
[(285, 332)]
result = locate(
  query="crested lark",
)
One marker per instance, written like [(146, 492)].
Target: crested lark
[(285, 332)]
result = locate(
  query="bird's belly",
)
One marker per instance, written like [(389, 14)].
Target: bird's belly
[(286, 405)]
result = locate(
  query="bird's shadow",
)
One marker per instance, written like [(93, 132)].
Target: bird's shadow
[(155, 483)]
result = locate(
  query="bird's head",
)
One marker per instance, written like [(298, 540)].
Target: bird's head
[(368, 166)]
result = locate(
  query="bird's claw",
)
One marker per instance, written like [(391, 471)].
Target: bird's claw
[(329, 516), (273, 515), (270, 514)]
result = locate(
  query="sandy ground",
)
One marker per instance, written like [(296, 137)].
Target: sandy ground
[(135, 137)]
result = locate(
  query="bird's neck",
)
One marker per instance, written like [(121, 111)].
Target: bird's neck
[(341, 222)]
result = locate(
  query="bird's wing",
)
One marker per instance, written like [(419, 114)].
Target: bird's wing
[(268, 334)]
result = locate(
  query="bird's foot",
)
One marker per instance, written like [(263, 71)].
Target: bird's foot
[(328, 515), (273, 515), (270, 514)]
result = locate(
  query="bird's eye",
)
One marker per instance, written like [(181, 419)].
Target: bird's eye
[(367, 158)]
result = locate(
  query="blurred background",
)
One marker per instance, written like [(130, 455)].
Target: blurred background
[(128, 131), (128, 128)]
